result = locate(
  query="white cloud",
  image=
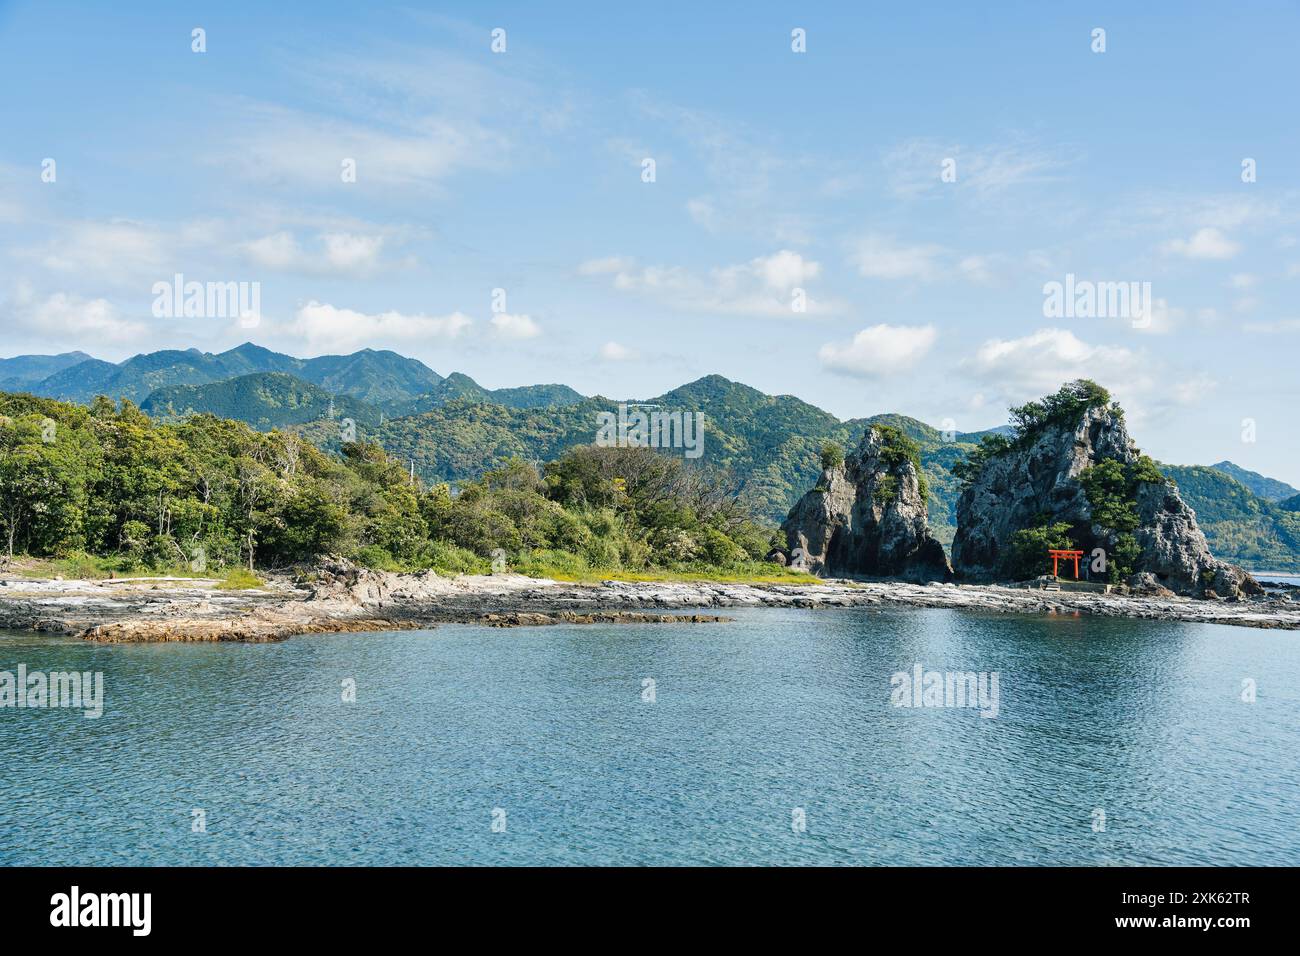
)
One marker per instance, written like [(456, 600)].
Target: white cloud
[(880, 257), (339, 253), (507, 326), (763, 286), (278, 251), (783, 270), (325, 327), (1162, 320), (1205, 243), (1242, 280), (117, 250), (879, 350), (1017, 370), (350, 252), (1040, 362), (65, 317), (613, 352)]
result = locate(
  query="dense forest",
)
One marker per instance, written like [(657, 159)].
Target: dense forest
[(208, 493)]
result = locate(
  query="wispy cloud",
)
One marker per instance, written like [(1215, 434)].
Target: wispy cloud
[(913, 167), (764, 286), (1206, 243), (1275, 327), (883, 257)]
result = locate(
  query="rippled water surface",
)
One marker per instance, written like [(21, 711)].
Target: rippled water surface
[(782, 709)]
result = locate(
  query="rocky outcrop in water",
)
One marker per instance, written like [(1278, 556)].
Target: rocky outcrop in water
[(1039, 482), (867, 517)]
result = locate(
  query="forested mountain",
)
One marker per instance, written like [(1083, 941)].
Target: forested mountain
[(264, 400), (1268, 488), (769, 446), (460, 387), (1241, 526)]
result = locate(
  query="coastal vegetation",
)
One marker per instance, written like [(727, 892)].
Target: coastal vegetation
[(105, 488)]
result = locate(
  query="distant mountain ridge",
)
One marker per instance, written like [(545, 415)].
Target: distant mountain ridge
[(23, 370), (389, 382), (1268, 488), (370, 375)]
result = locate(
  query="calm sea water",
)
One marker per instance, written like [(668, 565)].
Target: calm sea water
[(782, 710)]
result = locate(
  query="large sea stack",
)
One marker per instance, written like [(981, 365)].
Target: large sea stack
[(867, 515), (1072, 477)]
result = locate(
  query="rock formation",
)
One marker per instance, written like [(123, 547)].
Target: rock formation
[(867, 517), (1035, 483)]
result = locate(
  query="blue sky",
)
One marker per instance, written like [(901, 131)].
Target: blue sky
[(775, 172)]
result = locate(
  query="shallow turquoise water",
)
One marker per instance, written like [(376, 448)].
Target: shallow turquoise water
[(783, 709)]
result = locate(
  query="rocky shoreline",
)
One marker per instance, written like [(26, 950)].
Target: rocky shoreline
[(343, 598)]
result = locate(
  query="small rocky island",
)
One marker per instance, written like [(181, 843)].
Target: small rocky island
[(1068, 477), (867, 515)]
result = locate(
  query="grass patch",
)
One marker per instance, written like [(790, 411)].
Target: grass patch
[(239, 579), (757, 573), (89, 567)]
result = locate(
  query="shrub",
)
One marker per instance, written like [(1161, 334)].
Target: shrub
[(376, 557), (719, 550), (1123, 562), (1029, 547), (1111, 494), (551, 564), (446, 558), (1065, 407)]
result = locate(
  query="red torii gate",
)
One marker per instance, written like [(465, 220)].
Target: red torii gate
[(1057, 553)]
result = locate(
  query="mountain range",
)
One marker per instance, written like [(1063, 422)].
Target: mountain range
[(452, 428)]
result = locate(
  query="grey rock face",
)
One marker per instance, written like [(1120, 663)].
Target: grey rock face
[(1174, 549), (866, 517), (1019, 488)]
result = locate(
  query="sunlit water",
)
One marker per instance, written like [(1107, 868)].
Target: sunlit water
[(783, 710)]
